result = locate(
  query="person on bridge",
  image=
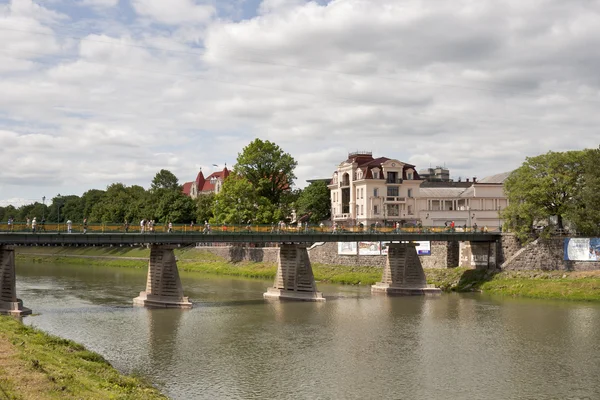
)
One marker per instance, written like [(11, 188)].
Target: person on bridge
[(43, 224), (142, 225), (85, 224), (28, 223), (69, 226), (170, 227), (475, 227), (33, 224), (126, 226)]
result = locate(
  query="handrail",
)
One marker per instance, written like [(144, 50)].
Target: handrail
[(21, 227)]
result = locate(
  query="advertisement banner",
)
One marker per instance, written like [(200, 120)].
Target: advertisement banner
[(347, 248), (369, 248), (582, 249), (423, 248)]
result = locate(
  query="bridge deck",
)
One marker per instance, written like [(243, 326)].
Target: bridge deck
[(104, 239)]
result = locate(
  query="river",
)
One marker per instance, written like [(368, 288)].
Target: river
[(235, 345)]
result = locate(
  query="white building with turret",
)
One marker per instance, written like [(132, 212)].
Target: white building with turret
[(382, 190)]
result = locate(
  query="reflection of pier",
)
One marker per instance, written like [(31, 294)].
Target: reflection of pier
[(403, 273)]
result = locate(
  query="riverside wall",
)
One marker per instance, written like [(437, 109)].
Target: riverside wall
[(507, 254)]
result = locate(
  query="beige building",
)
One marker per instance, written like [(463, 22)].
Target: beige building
[(368, 190)]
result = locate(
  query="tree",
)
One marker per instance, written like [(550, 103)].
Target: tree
[(164, 179), (586, 213), (268, 168), (543, 187), (315, 200), (205, 204)]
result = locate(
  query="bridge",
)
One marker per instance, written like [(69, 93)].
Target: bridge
[(403, 273)]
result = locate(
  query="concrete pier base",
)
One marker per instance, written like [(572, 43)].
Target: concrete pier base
[(403, 273), (163, 286), (294, 279), (9, 303)]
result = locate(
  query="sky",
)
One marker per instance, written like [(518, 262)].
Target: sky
[(94, 92)]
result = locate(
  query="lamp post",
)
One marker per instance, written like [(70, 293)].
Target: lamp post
[(58, 198), (43, 207)]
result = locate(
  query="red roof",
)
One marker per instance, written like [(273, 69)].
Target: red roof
[(208, 185), (187, 188)]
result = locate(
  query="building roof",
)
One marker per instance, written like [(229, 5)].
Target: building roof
[(498, 178), (442, 192), (187, 188), (209, 182)]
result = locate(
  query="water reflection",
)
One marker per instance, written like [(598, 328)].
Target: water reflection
[(235, 345)]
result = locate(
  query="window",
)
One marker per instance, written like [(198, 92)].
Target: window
[(409, 176), (376, 210), (361, 193), (393, 191), (409, 192), (376, 192), (357, 193), (361, 209), (375, 174), (410, 210)]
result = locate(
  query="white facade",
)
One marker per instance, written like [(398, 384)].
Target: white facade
[(367, 190)]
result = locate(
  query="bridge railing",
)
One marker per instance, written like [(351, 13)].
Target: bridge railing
[(222, 228)]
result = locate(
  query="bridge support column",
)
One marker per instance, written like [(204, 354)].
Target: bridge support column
[(163, 286), (403, 273), (294, 279), (9, 304)]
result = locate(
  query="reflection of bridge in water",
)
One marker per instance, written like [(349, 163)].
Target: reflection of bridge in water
[(402, 274)]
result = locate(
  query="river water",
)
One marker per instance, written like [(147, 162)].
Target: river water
[(235, 345)]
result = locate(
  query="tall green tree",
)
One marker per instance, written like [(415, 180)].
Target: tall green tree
[(586, 212), (544, 186), (205, 204), (268, 168), (315, 200), (165, 179)]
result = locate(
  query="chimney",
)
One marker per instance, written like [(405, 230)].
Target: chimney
[(467, 179), (474, 179)]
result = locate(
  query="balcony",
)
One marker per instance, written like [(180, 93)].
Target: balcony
[(395, 199), (393, 181), (341, 217)]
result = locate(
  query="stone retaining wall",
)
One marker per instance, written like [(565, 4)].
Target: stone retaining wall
[(442, 255), (546, 254)]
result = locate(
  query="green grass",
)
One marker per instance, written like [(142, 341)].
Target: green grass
[(42, 366)]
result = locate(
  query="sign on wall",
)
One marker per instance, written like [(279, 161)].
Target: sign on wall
[(424, 248), (369, 248), (347, 248), (582, 249)]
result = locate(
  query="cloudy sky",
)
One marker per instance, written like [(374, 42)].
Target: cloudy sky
[(94, 92)]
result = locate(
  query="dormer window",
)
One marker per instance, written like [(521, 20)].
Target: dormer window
[(409, 176), (335, 178), (359, 174), (375, 172)]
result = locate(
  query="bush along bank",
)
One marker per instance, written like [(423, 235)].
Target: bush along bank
[(35, 365), (534, 284)]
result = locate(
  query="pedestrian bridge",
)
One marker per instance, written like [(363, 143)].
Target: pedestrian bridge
[(403, 273)]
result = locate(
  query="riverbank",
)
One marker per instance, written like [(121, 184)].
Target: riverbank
[(35, 365), (562, 285)]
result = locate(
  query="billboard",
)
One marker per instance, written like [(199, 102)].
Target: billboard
[(347, 248), (423, 248), (582, 249), (369, 248)]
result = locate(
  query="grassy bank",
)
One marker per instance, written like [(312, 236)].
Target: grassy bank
[(34, 365), (534, 284)]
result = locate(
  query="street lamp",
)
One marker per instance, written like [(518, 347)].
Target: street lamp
[(44, 207), (58, 210)]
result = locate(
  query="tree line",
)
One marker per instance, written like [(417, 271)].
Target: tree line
[(260, 190)]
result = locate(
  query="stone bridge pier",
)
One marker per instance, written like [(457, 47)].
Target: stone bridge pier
[(403, 273), (9, 303), (294, 279), (163, 286)]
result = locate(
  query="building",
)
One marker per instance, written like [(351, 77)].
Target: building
[(368, 190), (387, 191), (437, 174), (211, 184)]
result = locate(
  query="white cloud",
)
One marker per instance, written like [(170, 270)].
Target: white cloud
[(174, 12), (477, 86)]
